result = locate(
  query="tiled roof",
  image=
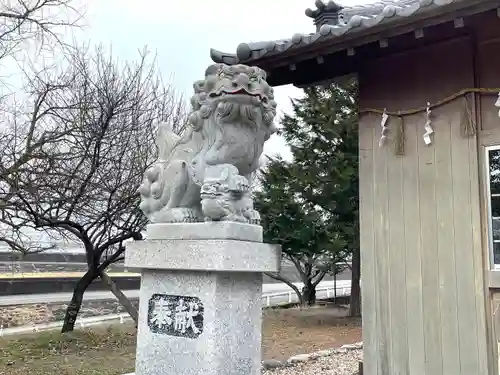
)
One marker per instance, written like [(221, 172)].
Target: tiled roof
[(352, 20)]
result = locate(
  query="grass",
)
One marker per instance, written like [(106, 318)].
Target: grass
[(100, 351), (110, 350)]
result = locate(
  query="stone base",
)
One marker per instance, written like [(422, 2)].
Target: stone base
[(181, 247), (229, 337), (201, 298), (216, 230)]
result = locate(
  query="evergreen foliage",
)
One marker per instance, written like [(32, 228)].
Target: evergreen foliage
[(310, 205)]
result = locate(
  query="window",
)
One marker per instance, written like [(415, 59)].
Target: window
[(493, 183)]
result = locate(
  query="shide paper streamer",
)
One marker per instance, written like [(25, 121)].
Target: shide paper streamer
[(428, 128), (385, 130)]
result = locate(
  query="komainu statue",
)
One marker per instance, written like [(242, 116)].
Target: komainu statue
[(206, 174)]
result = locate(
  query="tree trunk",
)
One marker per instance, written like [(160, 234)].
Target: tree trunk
[(335, 287), (355, 304), (309, 293), (122, 298), (278, 277), (77, 299)]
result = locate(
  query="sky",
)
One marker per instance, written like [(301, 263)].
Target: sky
[(181, 34)]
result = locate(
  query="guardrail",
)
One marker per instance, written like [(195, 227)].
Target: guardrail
[(80, 323), (343, 288)]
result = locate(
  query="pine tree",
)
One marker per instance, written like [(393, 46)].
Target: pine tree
[(299, 227), (313, 200)]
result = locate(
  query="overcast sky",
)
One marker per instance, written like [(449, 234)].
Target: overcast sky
[(181, 33)]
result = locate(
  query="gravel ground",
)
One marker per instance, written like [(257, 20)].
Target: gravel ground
[(92, 308), (337, 364)]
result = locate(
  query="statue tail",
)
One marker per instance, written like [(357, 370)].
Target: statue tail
[(166, 140)]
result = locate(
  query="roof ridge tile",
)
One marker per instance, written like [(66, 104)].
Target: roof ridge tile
[(386, 11)]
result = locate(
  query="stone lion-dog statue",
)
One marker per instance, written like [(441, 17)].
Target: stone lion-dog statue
[(206, 173)]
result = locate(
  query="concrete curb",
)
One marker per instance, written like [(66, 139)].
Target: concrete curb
[(273, 364)]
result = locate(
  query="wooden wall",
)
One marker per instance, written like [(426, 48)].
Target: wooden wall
[(421, 244)]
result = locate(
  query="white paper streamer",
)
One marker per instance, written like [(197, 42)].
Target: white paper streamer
[(385, 130), (121, 319), (497, 104), (35, 328), (428, 128), (1, 330), (82, 325)]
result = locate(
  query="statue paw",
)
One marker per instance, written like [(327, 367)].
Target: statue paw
[(216, 212), (176, 215), (234, 217), (253, 217), (239, 184)]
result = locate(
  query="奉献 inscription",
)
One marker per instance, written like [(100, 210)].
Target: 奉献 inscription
[(175, 315)]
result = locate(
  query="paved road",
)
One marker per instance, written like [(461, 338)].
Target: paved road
[(19, 299), (42, 267), (59, 275), (102, 295), (12, 268)]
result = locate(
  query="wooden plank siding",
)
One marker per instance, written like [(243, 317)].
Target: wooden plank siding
[(422, 254), (370, 289)]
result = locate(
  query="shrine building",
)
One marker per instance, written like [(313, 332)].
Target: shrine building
[(429, 146)]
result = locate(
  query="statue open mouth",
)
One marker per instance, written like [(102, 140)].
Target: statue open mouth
[(241, 91)]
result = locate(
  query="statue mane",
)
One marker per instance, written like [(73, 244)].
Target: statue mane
[(216, 121)]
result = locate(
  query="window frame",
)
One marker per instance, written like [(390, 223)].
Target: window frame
[(491, 248)]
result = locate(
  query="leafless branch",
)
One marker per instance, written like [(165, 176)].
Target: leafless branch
[(35, 23), (73, 159)]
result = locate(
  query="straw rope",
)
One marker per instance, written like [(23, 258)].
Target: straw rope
[(468, 126), (423, 108)]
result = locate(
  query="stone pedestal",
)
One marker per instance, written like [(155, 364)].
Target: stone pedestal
[(201, 298)]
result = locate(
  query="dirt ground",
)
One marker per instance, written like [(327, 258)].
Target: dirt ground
[(287, 332), (111, 350)]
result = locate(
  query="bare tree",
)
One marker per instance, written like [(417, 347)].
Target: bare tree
[(84, 186), (41, 23), (27, 26)]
